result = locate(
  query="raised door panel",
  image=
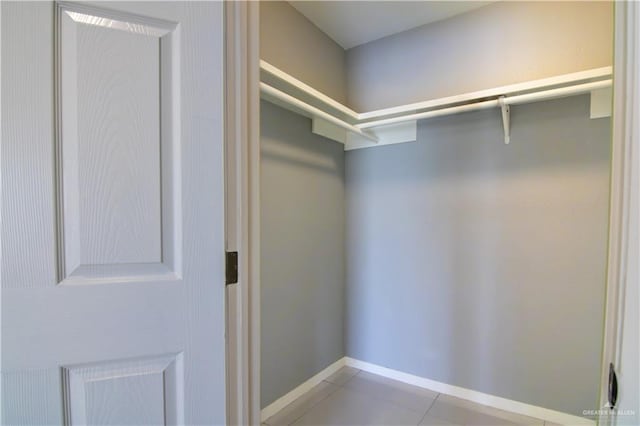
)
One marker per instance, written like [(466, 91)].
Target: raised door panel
[(118, 146), (146, 391), (118, 163)]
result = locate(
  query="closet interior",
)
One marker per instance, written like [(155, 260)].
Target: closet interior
[(434, 199)]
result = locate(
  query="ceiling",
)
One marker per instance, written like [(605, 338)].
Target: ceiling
[(352, 23)]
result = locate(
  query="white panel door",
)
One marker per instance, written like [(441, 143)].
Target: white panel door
[(112, 213)]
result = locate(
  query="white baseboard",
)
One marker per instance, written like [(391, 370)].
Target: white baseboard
[(471, 395), (288, 398), (444, 388)]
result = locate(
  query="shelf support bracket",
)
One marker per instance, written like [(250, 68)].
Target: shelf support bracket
[(506, 115)]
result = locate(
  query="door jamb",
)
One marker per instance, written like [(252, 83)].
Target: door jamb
[(242, 209), (624, 182)]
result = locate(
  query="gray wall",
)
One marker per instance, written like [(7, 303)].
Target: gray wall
[(499, 44), (289, 41), (303, 240), (483, 265)]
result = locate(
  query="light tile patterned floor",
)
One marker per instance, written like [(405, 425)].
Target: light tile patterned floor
[(351, 397)]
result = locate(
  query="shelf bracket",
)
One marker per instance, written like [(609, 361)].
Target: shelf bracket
[(506, 115)]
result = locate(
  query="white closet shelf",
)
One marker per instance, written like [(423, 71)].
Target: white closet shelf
[(292, 103), (398, 124)]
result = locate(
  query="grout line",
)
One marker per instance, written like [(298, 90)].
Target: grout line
[(313, 405), (348, 380), (430, 405), (384, 399), (351, 378)]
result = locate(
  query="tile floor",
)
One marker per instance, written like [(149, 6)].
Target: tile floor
[(352, 397)]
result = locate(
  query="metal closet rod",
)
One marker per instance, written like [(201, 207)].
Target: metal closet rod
[(502, 101), (507, 100)]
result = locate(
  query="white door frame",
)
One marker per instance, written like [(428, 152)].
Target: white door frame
[(242, 160), (243, 198), (623, 219)]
